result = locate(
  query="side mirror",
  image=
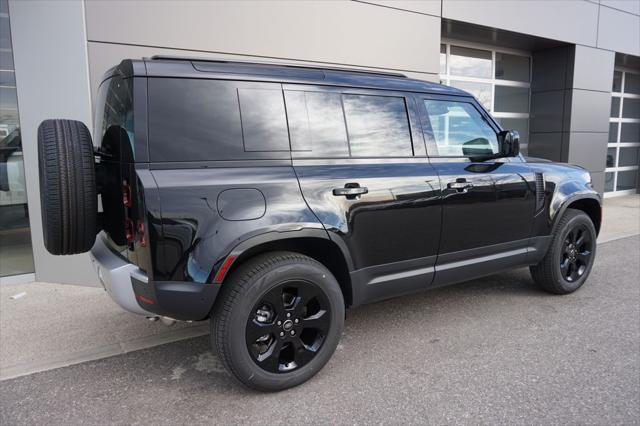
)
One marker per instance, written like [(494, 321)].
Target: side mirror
[(509, 143)]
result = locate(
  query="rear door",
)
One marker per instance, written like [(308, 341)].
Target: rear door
[(361, 162), (488, 205)]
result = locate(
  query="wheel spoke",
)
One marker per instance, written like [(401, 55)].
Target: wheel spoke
[(564, 266), (303, 354), (274, 298), (318, 321), (584, 257), (270, 360), (581, 239), (256, 330)]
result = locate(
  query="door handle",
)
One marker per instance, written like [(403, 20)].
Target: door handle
[(351, 191), (460, 185)]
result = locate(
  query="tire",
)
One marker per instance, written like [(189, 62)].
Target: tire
[(248, 306), (69, 203), (569, 260)]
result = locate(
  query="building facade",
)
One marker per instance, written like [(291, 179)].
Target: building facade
[(565, 73)]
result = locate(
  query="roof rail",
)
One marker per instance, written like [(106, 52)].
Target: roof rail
[(324, 68)]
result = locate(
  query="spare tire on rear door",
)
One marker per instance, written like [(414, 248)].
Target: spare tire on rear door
[(68, 198)]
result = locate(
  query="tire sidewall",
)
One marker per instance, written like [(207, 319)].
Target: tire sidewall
[(578, 218), (244, 365)]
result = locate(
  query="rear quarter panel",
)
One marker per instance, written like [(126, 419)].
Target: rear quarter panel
[(199, 230)]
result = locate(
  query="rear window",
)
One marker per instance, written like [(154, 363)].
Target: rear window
[(114, 113), (201, 120)]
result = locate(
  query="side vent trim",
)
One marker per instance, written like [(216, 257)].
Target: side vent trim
[(540, 192)]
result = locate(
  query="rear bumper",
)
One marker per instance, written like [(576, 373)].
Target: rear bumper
[(115, 274), (130, 288)]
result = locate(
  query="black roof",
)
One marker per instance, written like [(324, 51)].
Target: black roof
[(169, 66)]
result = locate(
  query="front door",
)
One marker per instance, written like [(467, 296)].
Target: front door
[(488, 205), (362, 167)]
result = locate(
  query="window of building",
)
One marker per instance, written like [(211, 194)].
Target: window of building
[(499, 79), (16, 254), (328, 124), (623, 152), (459, 130)]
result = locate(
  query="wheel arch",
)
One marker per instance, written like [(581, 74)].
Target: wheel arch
[(313, 243), (588, 203)]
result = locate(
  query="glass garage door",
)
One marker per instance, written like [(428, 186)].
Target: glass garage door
[(16, 255), (623, 150), (499, 79)]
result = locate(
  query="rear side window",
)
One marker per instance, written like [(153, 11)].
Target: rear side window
[(328, 124), (377, 126), (201, 120)]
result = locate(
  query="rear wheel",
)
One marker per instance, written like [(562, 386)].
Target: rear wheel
[(68, 199), (570, 256), (278, 320)]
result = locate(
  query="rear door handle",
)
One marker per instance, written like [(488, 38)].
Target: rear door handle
[(351, 191), (460, 185)]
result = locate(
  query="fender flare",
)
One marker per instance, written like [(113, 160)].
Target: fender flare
[(561, 201), (227, 261)]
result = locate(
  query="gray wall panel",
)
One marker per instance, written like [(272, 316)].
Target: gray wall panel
[(50, 86), (546, 145), (340, 32), (428, 7), (588, 150), (590, 111), (547, 111), (594, 68), (619, 31), (631, 6), (565, 20)]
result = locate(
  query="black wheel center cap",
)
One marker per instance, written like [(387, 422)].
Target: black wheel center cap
[(287, 325)]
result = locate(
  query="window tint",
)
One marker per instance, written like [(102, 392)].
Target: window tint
[(264, 125), (201, 120), (193, 120), (114, 108), (459, 129), (316, 123), (378, 126)]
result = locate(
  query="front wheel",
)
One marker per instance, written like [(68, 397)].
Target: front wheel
[(570, 256), (278, 321)]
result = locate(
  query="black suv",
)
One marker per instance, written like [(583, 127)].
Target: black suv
[(269, 198)]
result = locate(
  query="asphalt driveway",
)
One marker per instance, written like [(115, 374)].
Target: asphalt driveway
[(494, 350)]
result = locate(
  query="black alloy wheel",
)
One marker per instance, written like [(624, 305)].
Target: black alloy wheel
[(576, 257), (570, 256), (277, 320), (287, 327)]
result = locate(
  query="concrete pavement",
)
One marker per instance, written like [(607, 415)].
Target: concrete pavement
[(58, 325), (490, 351)]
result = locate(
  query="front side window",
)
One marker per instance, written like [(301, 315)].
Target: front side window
[(459, 130)]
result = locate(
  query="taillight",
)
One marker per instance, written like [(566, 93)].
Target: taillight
[(126, 195), (129, 230), (141, 236)]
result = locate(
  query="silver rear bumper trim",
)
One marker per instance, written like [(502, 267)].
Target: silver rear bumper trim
[(115, 275)]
